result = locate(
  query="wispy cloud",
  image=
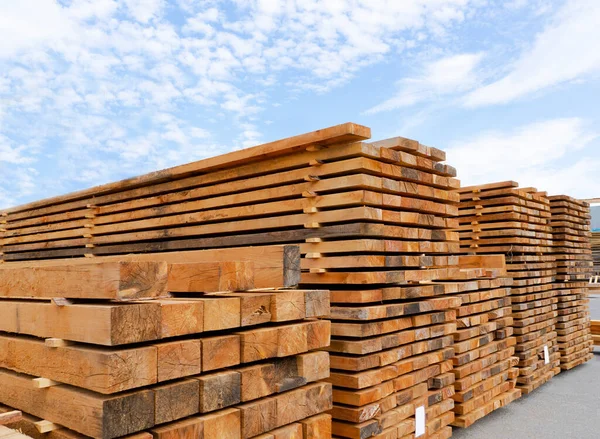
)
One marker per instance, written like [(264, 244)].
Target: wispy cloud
[(92, 81), (541, 154), (95, 90), (442, 77), (565, 50)]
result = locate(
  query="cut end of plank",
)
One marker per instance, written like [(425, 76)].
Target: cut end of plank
[(46, 426), (10, 417)]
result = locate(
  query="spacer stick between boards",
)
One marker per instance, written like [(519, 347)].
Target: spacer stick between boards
[(57, 342), (314, 240), (43, 383), (61, 301), (316, 147), (46, 426)]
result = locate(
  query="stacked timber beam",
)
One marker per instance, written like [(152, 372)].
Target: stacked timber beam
[(153, 345), (373, 221), (571, 228), (484, 348), (500, 218)]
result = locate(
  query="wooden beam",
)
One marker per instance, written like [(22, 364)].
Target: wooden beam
[(106, 280), (10, 417), (96, 369), (273, 266), (85, 412)]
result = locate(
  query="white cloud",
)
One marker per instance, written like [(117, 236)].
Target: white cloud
[(83, 80), (564, 51), (538, 154), (449, 75), (27, 23), (144, 10)]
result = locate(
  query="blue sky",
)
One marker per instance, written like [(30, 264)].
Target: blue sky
[(95, 91)]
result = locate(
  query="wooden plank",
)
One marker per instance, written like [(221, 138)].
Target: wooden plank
[(90, 368), (84, 412), (27, 426), (175, 400), (317, 427), (273, 265), (106, 280), (104, 324), (7, 433), (10, 417)]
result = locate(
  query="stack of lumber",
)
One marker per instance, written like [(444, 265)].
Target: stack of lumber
[(501, 218), (373, 221), (170, 344), (595, 240), (594, 282), (571, 228), (484, 348), (595, 329)]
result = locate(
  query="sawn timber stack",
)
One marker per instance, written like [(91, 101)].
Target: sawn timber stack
[(504, 219), (571, 228), (373, 221), (484, 346), (154, 347)]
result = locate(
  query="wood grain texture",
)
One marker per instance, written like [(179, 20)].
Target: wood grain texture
[(89, 368), (84, 412), (107, 280)]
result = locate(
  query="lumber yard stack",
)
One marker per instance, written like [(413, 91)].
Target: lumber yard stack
[(501, 218), (374, 224), (595, 330), (596, 252), (594, 281), (571, 228), (165, 345), (484, 346)]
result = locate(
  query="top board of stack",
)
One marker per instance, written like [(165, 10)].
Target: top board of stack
[(374, 223), (503, 218), (571, 226)]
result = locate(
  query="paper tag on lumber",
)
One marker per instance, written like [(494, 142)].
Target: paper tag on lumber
[(420, 421), (546, 355)]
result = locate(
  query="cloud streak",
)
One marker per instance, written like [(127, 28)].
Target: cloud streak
[(540, 154), (563, 51), (104, 89), (443, 77)]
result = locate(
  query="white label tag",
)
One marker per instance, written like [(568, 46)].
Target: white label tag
[(546, 355), (420, 421)]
